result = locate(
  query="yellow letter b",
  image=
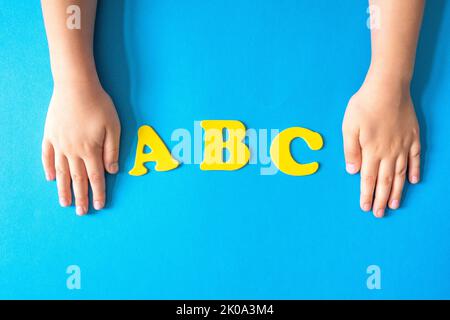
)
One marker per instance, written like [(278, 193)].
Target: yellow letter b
[(215, 145)]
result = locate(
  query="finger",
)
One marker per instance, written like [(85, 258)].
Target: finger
[(96, 175), (383, 187), (63, 180), (352, 151), (48, 160), (369, 172), (111, 150), (399, 182), (414, 163), (79, 185)]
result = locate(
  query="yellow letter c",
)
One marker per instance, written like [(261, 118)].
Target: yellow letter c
[(280, 151)]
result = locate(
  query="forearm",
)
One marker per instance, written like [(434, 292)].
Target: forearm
[(71, 50), (394, 38)]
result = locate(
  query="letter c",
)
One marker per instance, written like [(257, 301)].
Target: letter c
[(280, 151)]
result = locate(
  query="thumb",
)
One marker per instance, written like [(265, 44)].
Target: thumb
[(352, 151), (111, 150)]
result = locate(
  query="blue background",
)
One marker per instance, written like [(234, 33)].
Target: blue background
[(194, 234)]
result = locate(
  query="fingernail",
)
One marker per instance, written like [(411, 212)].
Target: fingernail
[(351, 168), (395, 204), (63, 202), (80, 211), (47, 177), (366, 207), (98, 205), (414, 179), (114, 167), (379, 213)]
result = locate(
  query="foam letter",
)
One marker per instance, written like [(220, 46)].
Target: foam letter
[(159, 153), (215, 145), (280, 151)]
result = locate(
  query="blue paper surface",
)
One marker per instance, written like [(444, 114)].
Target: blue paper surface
[(191, 234)]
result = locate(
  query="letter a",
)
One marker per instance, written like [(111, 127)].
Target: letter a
[(158, 154)]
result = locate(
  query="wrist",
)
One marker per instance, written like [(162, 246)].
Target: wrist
[(390, 74), (388, 90), (389, 79), (72, 70), (76, 79), (78, 86)]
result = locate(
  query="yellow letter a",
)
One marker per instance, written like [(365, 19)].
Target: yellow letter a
[(159, 153)]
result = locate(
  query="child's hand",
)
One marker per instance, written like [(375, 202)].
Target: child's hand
[(381, 139), (81, 141)]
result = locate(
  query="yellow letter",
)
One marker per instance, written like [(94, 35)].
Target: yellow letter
[(215, 146), (280, 151), (159, 153)]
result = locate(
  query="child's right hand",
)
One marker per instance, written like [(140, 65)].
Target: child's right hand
[(81, 141)]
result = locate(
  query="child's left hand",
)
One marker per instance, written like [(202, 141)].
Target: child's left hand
[(81, 141)]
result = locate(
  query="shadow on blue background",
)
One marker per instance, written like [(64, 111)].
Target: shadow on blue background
[(426, 63), (113, 69), (194, 234)]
